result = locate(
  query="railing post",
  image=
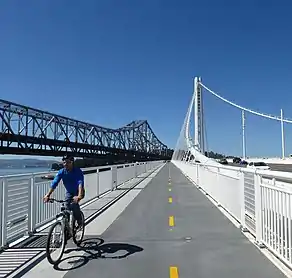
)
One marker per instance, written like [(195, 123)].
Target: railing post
[(258, 209), (4, 213), (217, 186), (97, 182), (136, 169), (32, 205), (197, 176), (133, 173), (1, 209), (242, 203), (114, 177)]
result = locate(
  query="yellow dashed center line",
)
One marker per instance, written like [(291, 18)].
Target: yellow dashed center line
[(173, 272), (171, 221)]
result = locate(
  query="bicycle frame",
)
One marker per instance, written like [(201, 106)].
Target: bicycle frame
[(64, 216)]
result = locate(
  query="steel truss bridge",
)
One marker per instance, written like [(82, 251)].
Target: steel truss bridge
[(28, 131)]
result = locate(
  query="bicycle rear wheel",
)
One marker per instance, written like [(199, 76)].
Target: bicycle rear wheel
[(58, 239), (78, 234)]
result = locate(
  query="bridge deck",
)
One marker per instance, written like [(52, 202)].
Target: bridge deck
[(141, 242)]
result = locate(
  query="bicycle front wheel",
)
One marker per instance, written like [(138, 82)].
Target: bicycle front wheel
[(56, 240)]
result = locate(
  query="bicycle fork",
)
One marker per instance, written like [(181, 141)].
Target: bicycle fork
[(57, 239)]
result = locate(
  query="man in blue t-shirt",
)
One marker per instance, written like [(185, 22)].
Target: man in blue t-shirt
[(73, 180)]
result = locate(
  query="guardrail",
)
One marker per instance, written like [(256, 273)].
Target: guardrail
[(22, 210), (258, 199)]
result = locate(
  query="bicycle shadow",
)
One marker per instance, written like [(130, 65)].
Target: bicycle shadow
[(95, 248)]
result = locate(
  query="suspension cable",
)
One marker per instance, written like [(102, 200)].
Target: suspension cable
[(277, 118)]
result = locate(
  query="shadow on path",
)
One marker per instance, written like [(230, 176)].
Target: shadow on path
[(95, 248)]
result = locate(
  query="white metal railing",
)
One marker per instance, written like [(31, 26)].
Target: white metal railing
[(260, 200), (22, 210)]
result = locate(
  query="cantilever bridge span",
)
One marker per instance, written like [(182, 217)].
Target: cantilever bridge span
[(25, 130)]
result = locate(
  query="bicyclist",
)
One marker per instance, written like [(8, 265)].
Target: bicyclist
[(73, 180)]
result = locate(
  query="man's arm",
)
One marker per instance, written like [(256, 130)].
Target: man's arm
[(54, 184), (81, 185)]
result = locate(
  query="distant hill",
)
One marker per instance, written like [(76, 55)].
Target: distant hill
[(25, 163)]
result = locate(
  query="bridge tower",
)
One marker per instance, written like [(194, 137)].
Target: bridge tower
[(198, 117)]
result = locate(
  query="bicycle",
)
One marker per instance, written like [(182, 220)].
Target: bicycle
[(67, 223)]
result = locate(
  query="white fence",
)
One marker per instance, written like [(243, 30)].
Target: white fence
[(260, 200), (22, 210)]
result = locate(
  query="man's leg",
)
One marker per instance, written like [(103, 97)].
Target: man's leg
[(68, 200), (76, 213), (74, 207)]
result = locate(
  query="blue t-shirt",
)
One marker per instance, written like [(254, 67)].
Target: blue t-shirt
[(71, 180)]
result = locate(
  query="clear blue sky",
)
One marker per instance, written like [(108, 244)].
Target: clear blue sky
[(110, 62)]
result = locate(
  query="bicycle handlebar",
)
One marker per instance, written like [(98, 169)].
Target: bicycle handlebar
[(52, 200)]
